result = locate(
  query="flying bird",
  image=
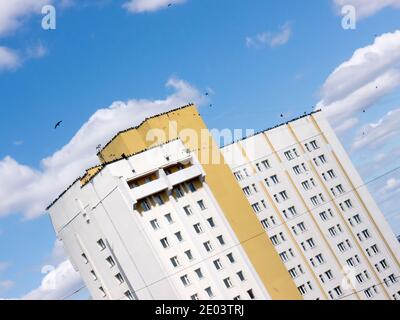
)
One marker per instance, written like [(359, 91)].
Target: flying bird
[(57, 124), (206, 93), (281, 115), (169, 4)]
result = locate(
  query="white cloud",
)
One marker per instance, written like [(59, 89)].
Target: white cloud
[(391, 185), (4, 265), (36, 52), (6, 285), (379, 133), (9, 59), (366, 8), (139, 6), (57, 284), (360, 82), (271, 39), (28, 190), (13, 12)]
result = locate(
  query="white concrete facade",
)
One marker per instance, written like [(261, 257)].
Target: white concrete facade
[(129, 243), (317, 211)]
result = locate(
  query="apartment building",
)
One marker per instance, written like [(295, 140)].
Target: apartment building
[(317, 211), (283, 214), (154, 222)]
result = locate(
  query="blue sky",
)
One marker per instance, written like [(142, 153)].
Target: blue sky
[(258, 59)]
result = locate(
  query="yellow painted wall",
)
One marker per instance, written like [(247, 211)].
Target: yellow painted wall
[(225, 189)]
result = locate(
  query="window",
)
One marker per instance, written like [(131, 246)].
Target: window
[(129, 295), (191, 186), (238, 175), (145, 205), (324, 216), (217, 264), (314, 200), (322, 158), (293, 273), (241, 276), (159, 200), (155, 225), (275, 241), (237, 298), (329, 274), (360, 278), (338, 291), (331, 174), (332, 232), (185, 280), (284, 256), (302, 227), (221, 240), (314, 144), (297, 170), (258, 166), (375, 248), (247, 191), (110, 261), (341, 247), (168, 216), (357, 219), (366, 233), (348, 203), (165, 243), (383, 264), (320, 258), (197, 227), (302, 289), (85, 259), (201, 205), (195, 297), (306, 185), (228, 283), (293, 211), (178, 192), (275, 179), (251, 294), (199, 273), (93, 275), (245, 172), (188, 210), (266, 164), (189, 254), (119, 278), (209, 292), (284, 195), (340, 189), (178, 236), (101, 244), (175, 261), (103, 293), (289, 155), (256, 207), (230, 257), (208, 246), (211, 222), (265, 223), (311, 242)]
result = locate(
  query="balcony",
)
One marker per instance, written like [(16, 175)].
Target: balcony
[(149, 188), (186, 174), (166, 182)]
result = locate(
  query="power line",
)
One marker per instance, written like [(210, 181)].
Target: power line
[(263, 233), (73, 293), (374, 285)]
